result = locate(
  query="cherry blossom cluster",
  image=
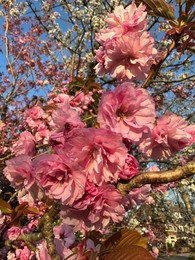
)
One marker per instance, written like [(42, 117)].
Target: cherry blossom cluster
[(127, 49), (60, 157)]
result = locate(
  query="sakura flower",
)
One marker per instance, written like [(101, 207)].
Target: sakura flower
[(168, 136), (64, 120), (99, 207), (13, 233), (191, 131), (127, 51), (25, 144), (127, 111), (41, 251), (65, 233), (35, 113), (128, 57), (64, 238), (121, 21), (19, 172), (101, 153), (132, 17), (140, 195), (23, 254), (130, 168), (65, 114), (60, 181), (2, 125)]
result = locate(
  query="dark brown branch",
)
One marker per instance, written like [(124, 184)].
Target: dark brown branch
[(177, 174)]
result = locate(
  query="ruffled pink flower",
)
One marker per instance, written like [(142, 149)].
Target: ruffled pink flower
[(128, 57), (130, 168), (65, 114), (99, 207), (191, 131), (26, 144), (41, 251), (170, 135), (132, 17), (13, 233), (64, 238), (2, 125), (127, 111), (59, 181), (42, 134), (19, 172), (121, 21), (101, 153), (140, 195), (35, 113), (64, 233), (64, 121), (23, 254)]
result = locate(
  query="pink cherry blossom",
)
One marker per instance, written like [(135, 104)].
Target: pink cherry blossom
[(41, 251), (130, 168), (122, 21), (42, 134), (36, 112), (26, 144), (168, 136), (23, 254), (65, 114), (101, 153), (140, 195), (99, 207), (65, 233), (65, 119), (131, 17), (127, 111), (191, 131), (59, 181), (2, 125), (18, 171), (64, 238), (128, 57), (13, 233)]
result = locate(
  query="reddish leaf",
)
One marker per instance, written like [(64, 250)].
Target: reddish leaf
[(20, 211), (123, 239), (132, 252)]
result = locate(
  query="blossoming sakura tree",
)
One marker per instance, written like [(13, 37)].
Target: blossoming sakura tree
[(85, 111)]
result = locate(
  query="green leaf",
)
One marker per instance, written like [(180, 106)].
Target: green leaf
[(5, 207)]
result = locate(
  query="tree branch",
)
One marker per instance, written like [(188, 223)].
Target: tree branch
[(177, 174)]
